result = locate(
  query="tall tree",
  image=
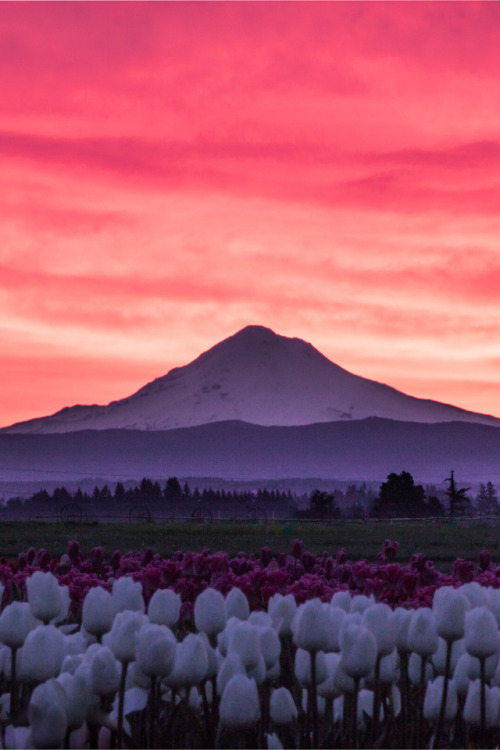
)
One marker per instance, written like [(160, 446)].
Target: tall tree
[(400, 496)]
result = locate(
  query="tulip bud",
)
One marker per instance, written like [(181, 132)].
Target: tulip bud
[(237, 604), (359, 651), (164, 608), (104, 673), (342, 599), (97, 611), (270, 645), (121, 638), (337, 617), (450, 617), (311, 627), (401, 619), (282, 706), (245, 641), (47, 715), (422, 634), (191, 663), (127, 595), (472, 708), (210, 612), (42, 654), (239, 706), (231, 665), (15, 624), (282, 608), (481, 633), (44, 596), (377, 619), (155, 650), (361, 602), (78, 698), (433, 698), (273, 742)]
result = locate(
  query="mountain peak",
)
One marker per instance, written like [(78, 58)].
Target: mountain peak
[(256, 376)]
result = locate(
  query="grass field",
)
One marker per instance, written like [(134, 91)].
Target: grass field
[(442, 544)]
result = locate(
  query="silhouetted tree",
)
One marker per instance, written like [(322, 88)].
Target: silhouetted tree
[(400, 496), (460, 503)]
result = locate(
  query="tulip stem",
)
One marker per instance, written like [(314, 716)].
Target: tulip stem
[(314, 699), (482, 662), (152, 717), (13, 683), (355, 713), (405, 689), (420, 728), (376, 699), (444, 697), (121, 702)]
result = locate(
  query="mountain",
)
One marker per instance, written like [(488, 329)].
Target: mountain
[(361, 449), (255, 376)]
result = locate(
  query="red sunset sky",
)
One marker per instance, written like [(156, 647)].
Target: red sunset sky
[(171, 172)]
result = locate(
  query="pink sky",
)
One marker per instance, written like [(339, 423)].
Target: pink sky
[(171, 172)]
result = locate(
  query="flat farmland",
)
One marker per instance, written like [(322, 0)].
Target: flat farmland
[(442, 543)]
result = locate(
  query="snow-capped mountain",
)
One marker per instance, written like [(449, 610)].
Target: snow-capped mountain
[(255, 376)]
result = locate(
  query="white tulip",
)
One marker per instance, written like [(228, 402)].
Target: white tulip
[(259, 672), (260, 619), (303, 667), (155, 650), (401, 620), (472, 708), (359, 651), (104, 672), (121, 637), (164, 608), (282, 706), (337, 617), (231, 665), (378, 619), (282, 610), (191, 663), (433, 698), (270, 645), (273, 742), (239, 706), (42, 654), (361, 602), (78, 698), (341, 599), (481, 633), (47, 715), (475, 594), (44, 596), (16, 622), (237, 604), (311, 626), (245, 641), (127, 595), (97, 611), (450, 617), (210, 612), (422, 634)]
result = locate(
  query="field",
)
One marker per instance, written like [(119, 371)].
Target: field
[(442, 544)]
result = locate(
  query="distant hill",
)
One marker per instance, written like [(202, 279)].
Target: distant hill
[(258, 377), (362, 449)]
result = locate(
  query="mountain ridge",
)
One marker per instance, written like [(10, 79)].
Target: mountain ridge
[(258, 377)]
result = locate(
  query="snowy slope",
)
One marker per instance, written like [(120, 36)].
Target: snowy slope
[(255, 376)]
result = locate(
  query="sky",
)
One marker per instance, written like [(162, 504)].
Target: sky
[(171, 172)]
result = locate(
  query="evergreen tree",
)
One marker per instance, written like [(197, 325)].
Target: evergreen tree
[(400, 496)]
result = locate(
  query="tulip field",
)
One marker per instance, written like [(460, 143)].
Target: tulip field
[(212, 650)]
